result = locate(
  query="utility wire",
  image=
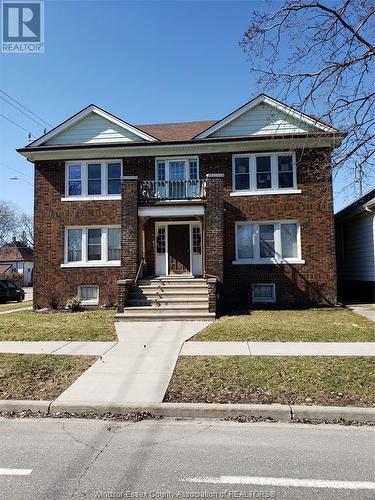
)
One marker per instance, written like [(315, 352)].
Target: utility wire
[(15, 170), (16, 124), (27, 109), (23, 112)]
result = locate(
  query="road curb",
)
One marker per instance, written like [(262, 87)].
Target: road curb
[(277, 412)]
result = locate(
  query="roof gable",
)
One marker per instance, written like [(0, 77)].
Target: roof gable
[(92, 125), (264, 116)]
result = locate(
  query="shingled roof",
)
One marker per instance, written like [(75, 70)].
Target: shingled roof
[(16, 251), (182, 131)]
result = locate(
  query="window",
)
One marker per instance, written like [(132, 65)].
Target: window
[(263, 293), (263, 166), (241, 173), (197, 240), (269, 242), (114, 243), (160, 240), (264, 173), (94, 175), (74, 180), (74, 245), (92, 246), (285, 171), (193, 169), (114, 178), (89, 294), (96, 178)]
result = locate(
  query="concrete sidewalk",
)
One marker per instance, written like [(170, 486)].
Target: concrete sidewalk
[(137, 369), (57, 347), (366, 310), (278, 349), (27, 308)]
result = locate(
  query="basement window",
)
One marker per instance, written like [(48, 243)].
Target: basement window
[(89, 294), (263, 293)]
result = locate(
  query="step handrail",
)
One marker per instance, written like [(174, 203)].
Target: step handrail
[(140, 267)]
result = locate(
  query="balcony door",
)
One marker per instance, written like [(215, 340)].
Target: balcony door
[(178, 178)]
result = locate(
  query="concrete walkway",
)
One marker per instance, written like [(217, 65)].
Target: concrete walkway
[(278, 349), (54, 347), (366, 310), (137, 369), (28, 308)]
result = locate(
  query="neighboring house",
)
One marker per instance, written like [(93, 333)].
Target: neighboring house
[(355, 240), (15, 257), (234, 201)]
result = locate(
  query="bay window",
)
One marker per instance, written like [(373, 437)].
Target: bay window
[(264, 173), (267, 242), (93, 179), (92, 246)]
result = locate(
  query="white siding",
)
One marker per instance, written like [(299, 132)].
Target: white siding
[(359, 248), (93, 129), (262, 120)]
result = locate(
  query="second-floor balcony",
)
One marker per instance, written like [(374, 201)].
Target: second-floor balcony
[(157, 191)]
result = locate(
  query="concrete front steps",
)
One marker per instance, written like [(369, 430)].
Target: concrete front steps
[(168, 299)]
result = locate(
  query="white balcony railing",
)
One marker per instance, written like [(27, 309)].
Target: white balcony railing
[(151, 191)]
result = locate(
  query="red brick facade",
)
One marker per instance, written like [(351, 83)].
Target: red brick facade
[(312, 282)]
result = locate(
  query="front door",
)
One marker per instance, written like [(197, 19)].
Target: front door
[(179, 248)]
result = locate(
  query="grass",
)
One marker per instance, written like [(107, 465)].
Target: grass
[(30, 325), (309, 325), (39, 376), (15, 305), (293, 380)]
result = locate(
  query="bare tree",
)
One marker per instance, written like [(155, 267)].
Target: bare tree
[(8, 221), (25, 229), (320, 56)]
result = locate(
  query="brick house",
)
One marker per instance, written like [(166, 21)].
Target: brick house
[(185, 217)]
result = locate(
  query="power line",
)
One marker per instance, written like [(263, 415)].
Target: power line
[(27, 109), (17, 124), (16, 170), (21, 111)]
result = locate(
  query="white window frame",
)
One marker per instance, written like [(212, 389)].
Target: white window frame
[(84, 196), (275, 189), (258, 300), (278, 259), (84, 262), (169, 159), (88, 301)]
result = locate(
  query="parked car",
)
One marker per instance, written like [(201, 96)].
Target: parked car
[(12, 291)]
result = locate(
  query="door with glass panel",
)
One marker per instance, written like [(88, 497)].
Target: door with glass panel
[(177, 178)]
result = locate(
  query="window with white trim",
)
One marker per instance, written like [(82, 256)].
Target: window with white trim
[(93, 178), (263, 293), (90, 246), (264, 172), (89, 294), (268, 242)]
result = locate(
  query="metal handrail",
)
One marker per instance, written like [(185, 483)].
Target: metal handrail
[(187, 189), (140, 267)]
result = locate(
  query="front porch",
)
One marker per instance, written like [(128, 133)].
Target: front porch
[(172, 232)]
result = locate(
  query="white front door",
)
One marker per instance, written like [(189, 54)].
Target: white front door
[(161, 248)]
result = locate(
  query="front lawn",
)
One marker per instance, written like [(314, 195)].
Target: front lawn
[(39, 376), (15, 305), (309, 325), (30, 325), (294, 380)]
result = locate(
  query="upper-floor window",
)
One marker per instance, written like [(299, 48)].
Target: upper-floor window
[(264, 173), (268, 242), (177, 177), (94, 178), (92, 245)]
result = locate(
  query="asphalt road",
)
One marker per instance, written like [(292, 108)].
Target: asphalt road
[(70, 458)]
